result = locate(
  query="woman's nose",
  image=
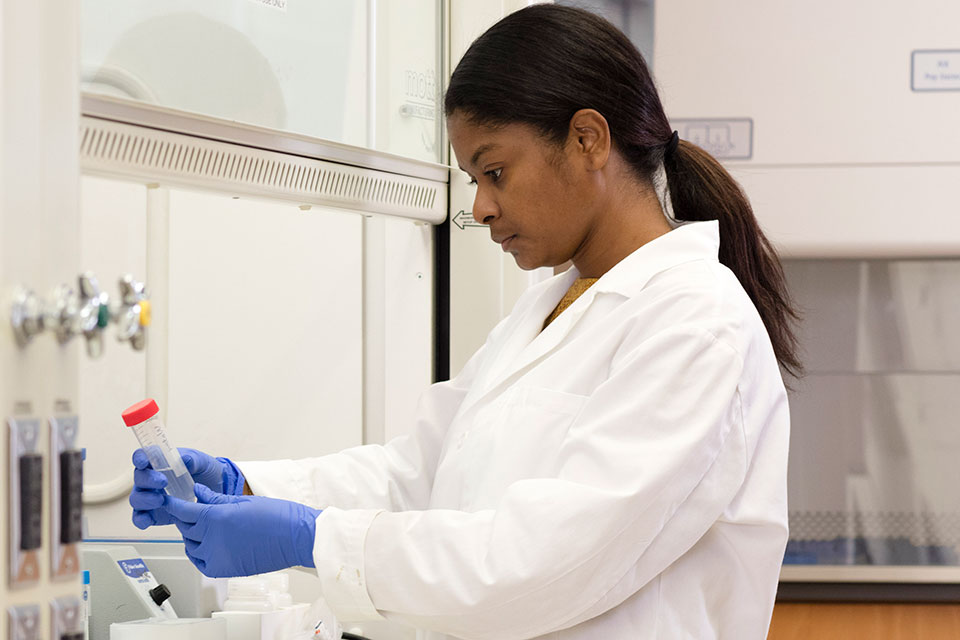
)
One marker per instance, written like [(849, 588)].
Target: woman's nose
[(485, 210)]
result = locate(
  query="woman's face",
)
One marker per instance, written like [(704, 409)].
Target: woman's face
[(530, 194)]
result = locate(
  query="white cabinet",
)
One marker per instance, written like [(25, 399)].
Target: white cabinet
[(846, 157)]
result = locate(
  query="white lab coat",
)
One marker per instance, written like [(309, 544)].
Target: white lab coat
[(621, 474)]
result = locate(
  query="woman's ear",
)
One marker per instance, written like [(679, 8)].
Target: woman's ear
[(590, 135)]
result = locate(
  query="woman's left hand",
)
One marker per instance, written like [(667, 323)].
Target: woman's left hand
[(227, 536)]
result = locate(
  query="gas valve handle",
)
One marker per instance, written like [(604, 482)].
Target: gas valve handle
[(26, 315), (94, 313), (132, 315), (62, 314)]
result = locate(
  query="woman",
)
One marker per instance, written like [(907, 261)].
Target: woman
[(612, 462)]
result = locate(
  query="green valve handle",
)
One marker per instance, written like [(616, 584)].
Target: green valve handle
[(93, 313), (103, 316)]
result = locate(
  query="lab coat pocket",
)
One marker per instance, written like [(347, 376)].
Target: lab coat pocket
[(523, 439), (547, 400)]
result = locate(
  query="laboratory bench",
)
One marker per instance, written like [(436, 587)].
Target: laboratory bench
[(864, 621)]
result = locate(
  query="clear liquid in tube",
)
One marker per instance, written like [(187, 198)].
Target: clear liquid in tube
[(179, 480), (179, 486)]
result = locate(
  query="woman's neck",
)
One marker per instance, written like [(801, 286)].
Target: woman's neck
[(626, 222)]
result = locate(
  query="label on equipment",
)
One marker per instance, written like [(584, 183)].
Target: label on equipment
[(135, 568), (935, 70), (274, 4), (723, 138), (137, 572)]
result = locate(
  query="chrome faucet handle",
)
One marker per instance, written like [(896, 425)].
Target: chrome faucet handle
[(26, 315), (132, 315), (62, 314), (94, 313), (132, 290)]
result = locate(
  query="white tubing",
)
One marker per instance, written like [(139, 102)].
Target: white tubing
[(108, 491)]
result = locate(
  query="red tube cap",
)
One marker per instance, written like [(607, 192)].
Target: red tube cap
[(140, 412)]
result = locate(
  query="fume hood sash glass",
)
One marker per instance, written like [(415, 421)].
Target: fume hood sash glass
[(364, 74)]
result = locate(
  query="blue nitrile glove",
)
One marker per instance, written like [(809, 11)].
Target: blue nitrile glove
[(220, 474), (229, 536)]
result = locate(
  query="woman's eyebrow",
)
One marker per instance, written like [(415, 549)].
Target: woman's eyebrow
[(482, 149)]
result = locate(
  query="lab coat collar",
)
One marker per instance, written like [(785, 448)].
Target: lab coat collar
[(527, 341), (688, 242)]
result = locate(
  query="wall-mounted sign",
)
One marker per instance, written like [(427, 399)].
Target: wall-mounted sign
[(935, 70)]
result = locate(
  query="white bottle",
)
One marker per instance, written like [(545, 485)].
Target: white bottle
[(249, 594), (260, 608)]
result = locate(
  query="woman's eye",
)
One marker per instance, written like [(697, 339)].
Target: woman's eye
[(494, 175)]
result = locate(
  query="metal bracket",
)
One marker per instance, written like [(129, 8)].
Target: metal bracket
[(66, 618), (24, 622)]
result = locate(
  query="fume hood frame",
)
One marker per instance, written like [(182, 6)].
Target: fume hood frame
[(129, 140)]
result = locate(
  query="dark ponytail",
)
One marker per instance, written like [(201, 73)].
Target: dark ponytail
[(544, 63), (701, 189)]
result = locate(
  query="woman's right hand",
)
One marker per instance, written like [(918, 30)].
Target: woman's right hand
[(219, 474)]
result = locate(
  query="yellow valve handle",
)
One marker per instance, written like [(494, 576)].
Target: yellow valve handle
[(145, 313)]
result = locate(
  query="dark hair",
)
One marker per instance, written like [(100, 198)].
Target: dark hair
[(544, 63)]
